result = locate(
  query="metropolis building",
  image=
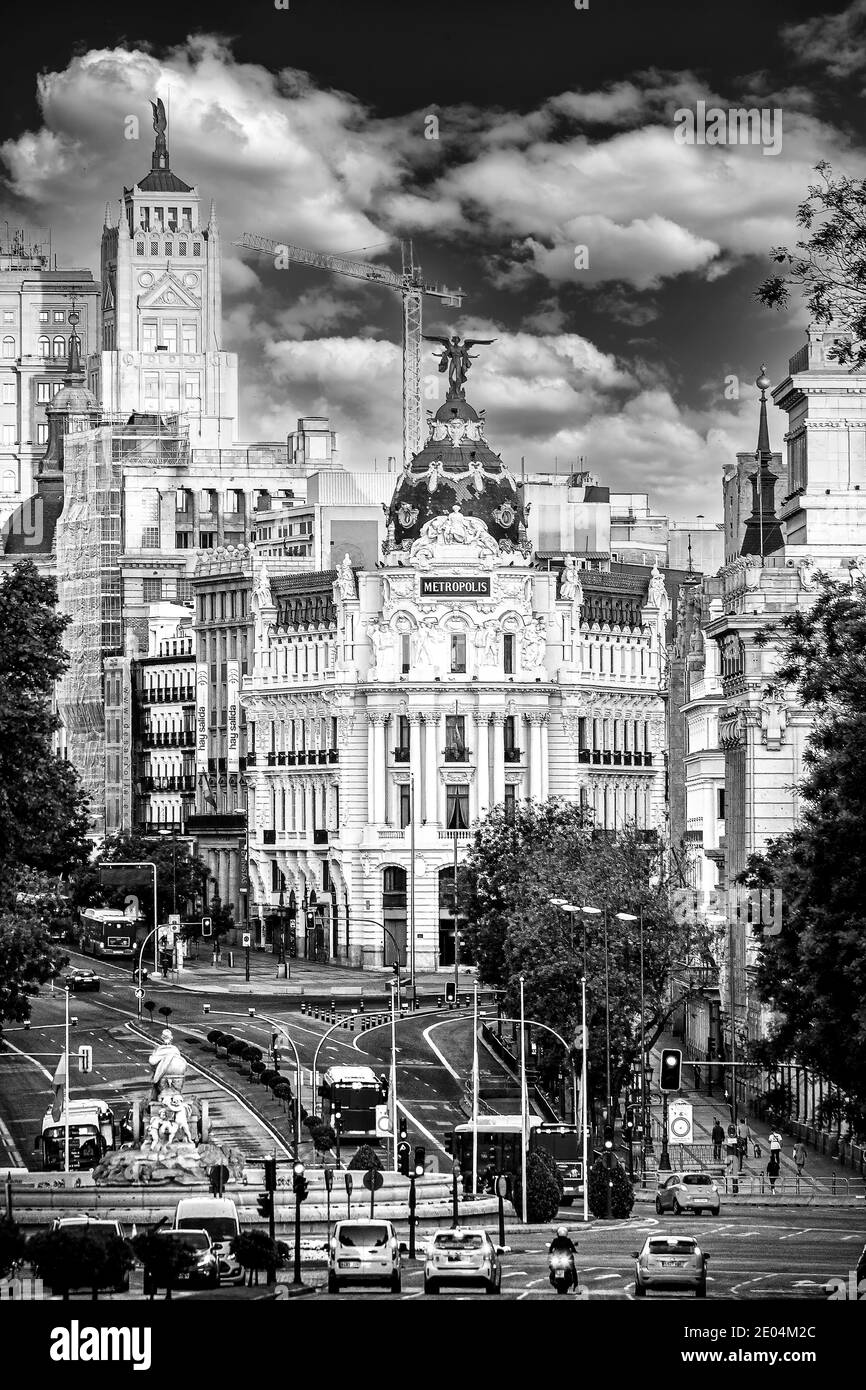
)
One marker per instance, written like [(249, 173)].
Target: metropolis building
[(463, 671)]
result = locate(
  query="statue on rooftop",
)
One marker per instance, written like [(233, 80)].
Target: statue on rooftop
[(456, 359)]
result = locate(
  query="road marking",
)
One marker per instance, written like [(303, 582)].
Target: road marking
[(28, 1058), (418, 1125), (17, 1160), (433, 1048)]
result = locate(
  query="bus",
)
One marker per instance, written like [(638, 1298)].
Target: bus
[(354, 1092), (562, 1143), (92, 1133), (106, 931), (499, 1138)]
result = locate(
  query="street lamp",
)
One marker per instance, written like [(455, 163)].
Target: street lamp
[(599, 912), (631, 917)]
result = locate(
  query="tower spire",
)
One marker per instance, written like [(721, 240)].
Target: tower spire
[(763, 450), (763, 531)]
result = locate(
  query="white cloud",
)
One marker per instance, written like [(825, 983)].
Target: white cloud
[(836, 42)]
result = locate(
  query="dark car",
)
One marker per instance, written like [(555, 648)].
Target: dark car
[(203, 1273), (79, 979)]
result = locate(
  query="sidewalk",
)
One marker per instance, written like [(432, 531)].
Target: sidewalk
[(304, 978), (819, 1173)]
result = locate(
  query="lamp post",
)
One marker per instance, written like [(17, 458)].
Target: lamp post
[(281, 956), (66, 1090), (598, 912), (630, 917), (393, 1086), (412, 881), (571, 909)]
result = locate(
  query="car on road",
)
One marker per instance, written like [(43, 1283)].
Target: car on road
[(219, 1217), (100, 1230), (694, 1192), (203, 1273), (364, 1251), (670, 1262), (79, 979), (465, 1255)]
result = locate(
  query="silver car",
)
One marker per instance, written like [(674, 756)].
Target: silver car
[(465, 1255), (695, 1192), (670, 1262)]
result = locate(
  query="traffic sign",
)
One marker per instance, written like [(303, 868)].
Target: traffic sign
[(247, 939), (502, 1186), (139, 994), (174, 919), (680, 1129), (383, 1120), (373, 1180)]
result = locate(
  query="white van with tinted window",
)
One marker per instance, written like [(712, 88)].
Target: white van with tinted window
[(219, 1217)]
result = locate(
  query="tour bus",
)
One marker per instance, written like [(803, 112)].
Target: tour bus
[(91, 1134), (563, 1144), (499, 1138), (354, 1093), (106, 931)]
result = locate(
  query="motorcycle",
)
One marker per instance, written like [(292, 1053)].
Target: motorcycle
[(562, 1272)]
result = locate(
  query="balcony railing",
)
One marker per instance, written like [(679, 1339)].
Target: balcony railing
[(401, 755), (455, 834), (251, 759), (174, 782), (320, 837), (160, 739), (182, 694), (513, 755), (392, 834), (457, 755), (269, 837), (333, 755)]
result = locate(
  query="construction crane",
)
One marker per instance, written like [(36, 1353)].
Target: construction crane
[(411, 286)]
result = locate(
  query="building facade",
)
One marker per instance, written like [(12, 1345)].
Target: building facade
[(391, 707)]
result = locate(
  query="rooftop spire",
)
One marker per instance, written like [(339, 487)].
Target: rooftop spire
[(74, 372), (763, 533), (107, 222), (763, 450), (160, 145)]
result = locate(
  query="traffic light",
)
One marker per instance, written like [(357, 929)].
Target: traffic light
[(672, 1061), (420, 1160), (299, 1183), (395, 966), (337, 1118), (403, 1151), (450, 992), (404, 1128), (265, 1204), (270, 1167), (449, 1142), (711, 1049), (207, 926)]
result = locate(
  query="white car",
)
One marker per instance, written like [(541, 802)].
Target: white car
[(219, 1217), (464, 1255), (695, 1192), (364, 1251)]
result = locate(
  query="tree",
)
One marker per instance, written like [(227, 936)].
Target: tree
[(28, 956), (181, 876), (365, 1158), (11, 1245), (73, 1260), (813, 974), (517, 863), (830, 266), (254, 1250), (43, 813), (614, 1180), (542, 1190), (163, 1259)]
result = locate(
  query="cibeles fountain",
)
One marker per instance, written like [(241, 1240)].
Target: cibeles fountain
[(170, 1142)]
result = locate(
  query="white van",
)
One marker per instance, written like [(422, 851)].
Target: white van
[(219, 1217)]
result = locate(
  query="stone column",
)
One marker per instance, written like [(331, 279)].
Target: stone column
[(224, 875), (482, 721), (310, 798), (415, 764), (379, 770), (233, 880), (497, 720), (371, 767), (432, 720), (543, 755), (534, 756)]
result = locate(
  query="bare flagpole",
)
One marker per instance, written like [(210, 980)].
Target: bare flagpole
[(523, 1102), (475, 1092)]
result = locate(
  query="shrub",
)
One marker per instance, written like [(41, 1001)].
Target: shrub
[(542, 1195), (268, 1075), (214, 1035), (78, 1261), (621, 1191), (283, 1092), (313, 1121), (255, 1250), (163, 1260), (275, 1080), (551, 1163), (323, 1138), (257, 1070), (365, 1158), (236, 1048), (11, 1245)]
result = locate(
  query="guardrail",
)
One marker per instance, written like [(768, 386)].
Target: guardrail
[(758, 1184)]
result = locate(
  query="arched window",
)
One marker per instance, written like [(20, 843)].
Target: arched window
[(59, 346), (8, 347), (44, 347)]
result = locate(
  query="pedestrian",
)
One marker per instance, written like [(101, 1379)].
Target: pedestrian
[(742, 1140), (718, 1138), (697, 1077), (800, 1157), (731, 1146), (775, 1142), (773, 1165)]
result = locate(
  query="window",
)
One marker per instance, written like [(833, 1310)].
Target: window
[(149, 519), (196, 248), (405, 654), (145, 219), (9, 347), (510, 800), (181, 248), (182, 540), (148, 335), (458, 652), (508, 653), (181, 500), (508, 732), (455, 738), (457, 807), (43, 315), (9, 393), (206, 500), (139, 248), (8, 315), (189, 336), (151, 392), (403, 734), (154, 248), (158, 219), (186, 213), (172, 217), (720, 803), (168, 334), (184, 591), (8, 481), (41, 434), (59, 316), (58, 347), (44, 347), (152, 590), (7, 435), (171, 391), (192, 386), (46, 390), (405, 805), (233, 500), (207, 540)]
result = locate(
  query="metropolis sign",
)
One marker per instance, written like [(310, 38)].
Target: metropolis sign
[(455, 587)]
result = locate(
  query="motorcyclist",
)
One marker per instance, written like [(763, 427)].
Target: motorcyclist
[(563, 1243)]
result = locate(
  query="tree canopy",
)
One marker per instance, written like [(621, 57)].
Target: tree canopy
[(43, 815), (28, 954), (829, 267), (180, 876), (814, 973), (517, 863)]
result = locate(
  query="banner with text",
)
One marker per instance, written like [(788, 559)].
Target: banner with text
[(202, 691), (233, 682)]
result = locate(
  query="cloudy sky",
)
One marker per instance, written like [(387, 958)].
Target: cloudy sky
[(553, 129)]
